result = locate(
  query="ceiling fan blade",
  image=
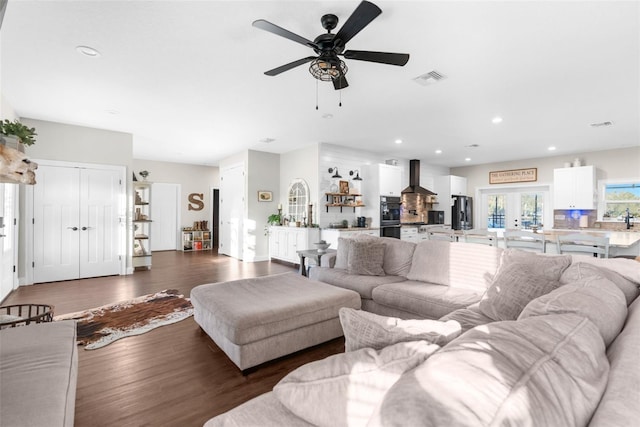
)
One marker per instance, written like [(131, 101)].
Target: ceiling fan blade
[(340, 82), (381, 57), (287, 67), (273, 28), (360, 18)]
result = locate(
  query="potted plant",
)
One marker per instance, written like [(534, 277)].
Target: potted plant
[(274, 219), (22, 133)]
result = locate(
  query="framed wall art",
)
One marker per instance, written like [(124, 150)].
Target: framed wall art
[(265, 196)]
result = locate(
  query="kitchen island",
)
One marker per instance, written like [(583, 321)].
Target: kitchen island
[(620, 242)]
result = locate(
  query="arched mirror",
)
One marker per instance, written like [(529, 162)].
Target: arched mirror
[(298, 200)]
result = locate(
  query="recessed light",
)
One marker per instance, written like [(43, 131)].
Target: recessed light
[(438, 151), (496, 120), (267, 140), (327, 116), (552, 148), (467, 159), (398, 141), (88, 51)]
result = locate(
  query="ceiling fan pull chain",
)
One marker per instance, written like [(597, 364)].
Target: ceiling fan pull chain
[(340, 100), (316, 95)]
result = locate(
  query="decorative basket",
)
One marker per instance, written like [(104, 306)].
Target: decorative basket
[(24, 314)]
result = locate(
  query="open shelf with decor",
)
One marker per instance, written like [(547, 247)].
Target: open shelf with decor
[(342, 200), (196, 240), (141, 257)]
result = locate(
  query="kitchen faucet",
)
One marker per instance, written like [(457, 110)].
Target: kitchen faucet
[(627, 220)]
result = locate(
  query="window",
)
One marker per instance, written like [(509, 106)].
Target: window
[(298, 200), (621, 199)]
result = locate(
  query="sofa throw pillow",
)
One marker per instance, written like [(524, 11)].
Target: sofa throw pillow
[(345, 389), (397, 256), (595, 297), (581, 270), (549, 266), (513, 288), (541, 371), (366, 258), (368, 330), (342, 253)]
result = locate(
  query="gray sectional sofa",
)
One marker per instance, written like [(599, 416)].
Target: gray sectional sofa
[(541, 340), (38, 374)]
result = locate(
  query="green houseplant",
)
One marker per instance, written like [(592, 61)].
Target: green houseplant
[(25, 134)]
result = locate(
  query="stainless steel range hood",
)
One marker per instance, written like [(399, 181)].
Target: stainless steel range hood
[(414, 180)]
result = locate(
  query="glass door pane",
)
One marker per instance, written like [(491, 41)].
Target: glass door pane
[(495, 211), (531, 210)]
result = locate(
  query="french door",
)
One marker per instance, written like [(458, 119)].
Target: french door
[(76, 224), (514, 208)]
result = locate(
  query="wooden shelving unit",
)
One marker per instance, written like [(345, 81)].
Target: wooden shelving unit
[(342, 200), (141, 257)]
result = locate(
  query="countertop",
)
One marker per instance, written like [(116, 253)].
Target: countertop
[(621, 239)]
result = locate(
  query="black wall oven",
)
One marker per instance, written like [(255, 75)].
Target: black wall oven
[(390, 216)]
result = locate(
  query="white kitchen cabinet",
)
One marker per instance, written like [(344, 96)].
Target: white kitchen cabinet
[(574, 188), (447, 186), (409, 234), (284, 242), (389, 180)]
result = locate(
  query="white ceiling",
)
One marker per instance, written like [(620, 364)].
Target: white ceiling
[(186, 77)]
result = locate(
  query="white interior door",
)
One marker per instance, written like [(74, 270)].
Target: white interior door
[(231, 210), (56, 214), (99, 222), (76, 224), (165, 200), (7, 238)]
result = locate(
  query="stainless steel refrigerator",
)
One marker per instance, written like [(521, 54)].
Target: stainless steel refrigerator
[(462, 213)]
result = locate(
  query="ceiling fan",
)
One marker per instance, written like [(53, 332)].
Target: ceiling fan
[(327, 66)]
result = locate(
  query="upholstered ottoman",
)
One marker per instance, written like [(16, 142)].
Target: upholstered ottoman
[(261, 319)]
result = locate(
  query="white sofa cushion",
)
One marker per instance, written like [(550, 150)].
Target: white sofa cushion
[(397, 256), (459, 265), (580, 270), (595, 298), (541, 371), (345, 389), (368, 330)]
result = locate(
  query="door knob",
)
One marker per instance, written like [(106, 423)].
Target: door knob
[(73, 228)]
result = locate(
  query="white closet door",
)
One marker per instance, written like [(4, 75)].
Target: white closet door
[(7, 238), (76, 224), (56, 210), (164, 228), (99, 223), (231, 211)]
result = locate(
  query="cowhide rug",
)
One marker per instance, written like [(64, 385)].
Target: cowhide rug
[(103, 325)]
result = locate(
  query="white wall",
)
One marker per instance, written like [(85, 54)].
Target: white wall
[(300, 164), (191, 178), (622, 163), (263, 175), (70, 143)]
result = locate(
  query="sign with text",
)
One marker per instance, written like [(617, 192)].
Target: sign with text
[(514, 175)]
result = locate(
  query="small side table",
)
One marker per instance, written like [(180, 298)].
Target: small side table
[(313, 254)]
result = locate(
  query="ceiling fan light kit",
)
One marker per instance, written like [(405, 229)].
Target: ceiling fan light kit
[(327, 66)]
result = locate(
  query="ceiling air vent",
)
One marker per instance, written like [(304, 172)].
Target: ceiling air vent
[(429, 78), (601, 124)]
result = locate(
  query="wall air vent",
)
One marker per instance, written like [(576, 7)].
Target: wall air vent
[(429, 78), (601, 124)]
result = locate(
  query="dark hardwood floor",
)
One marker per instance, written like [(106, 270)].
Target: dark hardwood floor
[(174, 375)]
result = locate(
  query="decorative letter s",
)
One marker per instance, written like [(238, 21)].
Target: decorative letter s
[(196, 199)]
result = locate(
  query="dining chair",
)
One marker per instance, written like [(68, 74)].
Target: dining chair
[(481, 236), (584, 243), (441, 234), (525, 240)]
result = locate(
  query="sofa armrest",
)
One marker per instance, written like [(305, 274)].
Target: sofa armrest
[(328, 260)]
